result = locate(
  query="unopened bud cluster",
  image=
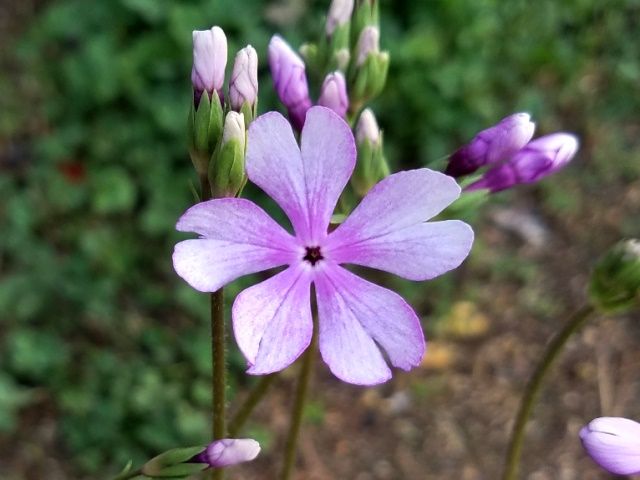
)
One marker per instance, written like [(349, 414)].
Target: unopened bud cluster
[(511, 156), (216, 144)]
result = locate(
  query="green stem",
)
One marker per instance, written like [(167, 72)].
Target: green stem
[(298, 407), (219, 385), (218, 363), (255, 395), (577, 320)]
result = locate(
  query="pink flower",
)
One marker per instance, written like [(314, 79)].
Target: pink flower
[(228, 451), (614, 444), (333, 93), (358, 320)]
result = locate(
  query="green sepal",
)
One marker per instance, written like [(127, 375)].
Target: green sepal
[(163, 465), (339, 40), (366, 13), (371, 167), (227, 172), (201, 124), (216, 120), (249, 112)]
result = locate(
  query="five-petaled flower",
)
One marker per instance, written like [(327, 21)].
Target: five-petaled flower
[(357, 319)]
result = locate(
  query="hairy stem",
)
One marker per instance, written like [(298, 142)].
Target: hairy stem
[(577, 320), (298, 407), (256, 394)]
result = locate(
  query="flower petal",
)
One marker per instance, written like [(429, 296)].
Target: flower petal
[(272, 320), (401, 200), (239, 239), (307, 185), (419, 252), (329, 156), (274, 163), (355, 316), (614, 443)]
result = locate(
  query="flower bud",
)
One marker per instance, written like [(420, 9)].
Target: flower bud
[(204, 129), (243, 86), (227, 452), (492, 145), (365, 14), (368, 43), (367, 128), (226, 172), (614, 444), (333, 93), (290, 80), (615, 281), (371, 166), (538, 159), (209, 61), (339, 15)]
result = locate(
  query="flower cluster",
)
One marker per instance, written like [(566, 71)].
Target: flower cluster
[(512, 157), (357, 319)]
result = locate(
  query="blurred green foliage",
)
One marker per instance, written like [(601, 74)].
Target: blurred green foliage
[(96, 326)]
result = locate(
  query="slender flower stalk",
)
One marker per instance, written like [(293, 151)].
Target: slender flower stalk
[(534, 385), (302, 388), (256, 394)]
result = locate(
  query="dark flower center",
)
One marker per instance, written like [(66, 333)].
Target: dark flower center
[(313, 255)]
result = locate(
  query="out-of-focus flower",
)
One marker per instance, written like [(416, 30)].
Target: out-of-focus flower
[(290, 79), (333, 93), (492, 145), (538, 159), (615, 281), (614, 444), (368, 73), (367, 128), (243, 86), (209, 61), (339, 15), (358, 320), (228, 451)]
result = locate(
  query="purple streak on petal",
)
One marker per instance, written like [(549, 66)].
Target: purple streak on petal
[(401, 200), (274, 163), (355, 316), (419, 252), (272, 320), (614, 443), (329, 156), (230, 451), (238, 238)]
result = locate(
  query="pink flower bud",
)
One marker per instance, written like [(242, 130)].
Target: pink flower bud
[(339, 14), (492, 145), (290, 79), (243, 86), (369, 42), (367, 128), (334, 93), (209, 60), (538, 159), (229, 451), (614, 444)]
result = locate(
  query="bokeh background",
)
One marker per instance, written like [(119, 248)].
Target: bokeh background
[(104, 352)]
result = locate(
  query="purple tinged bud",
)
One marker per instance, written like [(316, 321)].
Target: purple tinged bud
[(290, 79), (333, 94), (339, 14), (229, 451), (538, 159), (367, 128), (209, 60), (614, 444), (368, 42), (243, 86), (492, 145)]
